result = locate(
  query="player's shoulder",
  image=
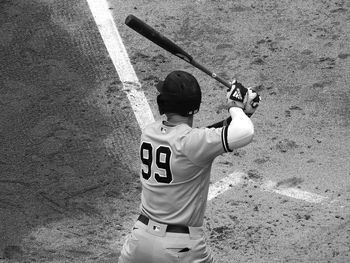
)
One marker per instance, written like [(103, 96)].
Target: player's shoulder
[(202, 145), (205, 130), (201, 134)]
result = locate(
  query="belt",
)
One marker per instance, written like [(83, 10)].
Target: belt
[(170, 228)]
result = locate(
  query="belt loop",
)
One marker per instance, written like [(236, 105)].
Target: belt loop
[(156, 229), (196, 232)]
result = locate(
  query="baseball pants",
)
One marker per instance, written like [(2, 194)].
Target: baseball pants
[(152, 243)]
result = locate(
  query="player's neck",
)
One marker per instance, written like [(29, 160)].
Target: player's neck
[(175, 119)]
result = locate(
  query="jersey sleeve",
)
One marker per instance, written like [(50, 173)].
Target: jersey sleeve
[(202, 145)]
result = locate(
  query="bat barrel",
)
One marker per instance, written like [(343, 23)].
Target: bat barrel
[(151, 34)]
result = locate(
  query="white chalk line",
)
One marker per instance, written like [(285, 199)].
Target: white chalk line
[(225, 184), (237, 178), (293, 192), (132, 88), (120, 59)]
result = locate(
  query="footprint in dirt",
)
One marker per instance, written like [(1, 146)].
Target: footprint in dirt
[(343, 55), (254, 175), (286, 145)]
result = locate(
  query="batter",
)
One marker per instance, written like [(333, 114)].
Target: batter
[(176, 161)]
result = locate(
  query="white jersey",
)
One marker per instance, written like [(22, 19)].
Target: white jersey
[(175, 171)]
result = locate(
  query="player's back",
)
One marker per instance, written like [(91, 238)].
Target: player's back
[(175, 171)]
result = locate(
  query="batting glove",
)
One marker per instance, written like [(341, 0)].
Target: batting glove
[(244, 98), (236, 95), (253, 100)]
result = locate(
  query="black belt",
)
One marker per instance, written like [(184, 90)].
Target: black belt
[(170, 228)]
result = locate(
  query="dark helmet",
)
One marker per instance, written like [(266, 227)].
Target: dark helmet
[(179, 93)]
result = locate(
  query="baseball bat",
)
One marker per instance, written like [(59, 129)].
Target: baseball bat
[(159, 39)]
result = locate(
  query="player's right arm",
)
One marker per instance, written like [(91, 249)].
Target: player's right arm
[(203, 145), (239, 132)]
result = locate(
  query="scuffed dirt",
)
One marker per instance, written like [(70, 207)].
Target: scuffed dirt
[(69, 189)]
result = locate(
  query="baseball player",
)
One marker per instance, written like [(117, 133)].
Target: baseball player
[(176, 160)]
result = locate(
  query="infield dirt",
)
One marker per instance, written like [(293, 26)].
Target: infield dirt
[(69, 188)]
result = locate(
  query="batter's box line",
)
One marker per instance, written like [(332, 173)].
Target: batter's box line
[(293, 192), (237, 178)]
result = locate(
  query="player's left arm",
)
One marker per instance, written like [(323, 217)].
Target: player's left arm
[(242, 103)]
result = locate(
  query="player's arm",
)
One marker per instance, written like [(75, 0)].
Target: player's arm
[(220, 124), (248, 108), (242, 103), (240, 132), (203, 145)]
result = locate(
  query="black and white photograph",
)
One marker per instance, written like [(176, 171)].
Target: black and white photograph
[(163, 131)]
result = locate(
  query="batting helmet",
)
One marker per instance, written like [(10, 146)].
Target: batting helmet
[(179, 93)]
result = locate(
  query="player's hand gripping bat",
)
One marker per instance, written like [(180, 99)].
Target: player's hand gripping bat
[(150, 33)]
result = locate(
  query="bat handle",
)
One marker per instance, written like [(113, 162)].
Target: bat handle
[(211, 74), (222, 81)]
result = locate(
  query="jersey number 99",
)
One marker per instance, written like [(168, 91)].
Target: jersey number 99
[(162, 161)]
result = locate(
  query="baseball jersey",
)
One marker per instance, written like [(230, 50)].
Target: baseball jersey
[(175, 171)]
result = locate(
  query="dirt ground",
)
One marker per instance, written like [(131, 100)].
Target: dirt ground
[(69, 188)]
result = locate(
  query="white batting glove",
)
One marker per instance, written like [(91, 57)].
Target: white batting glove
[(244, 98), (253, 100)]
